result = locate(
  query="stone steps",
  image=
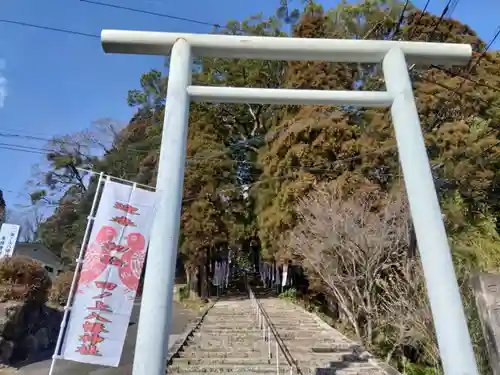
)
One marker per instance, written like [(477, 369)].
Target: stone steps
[(225, 346), (213, 330), (231, 368), (315, 347), (234, 372), (222, 354), (227, 341), (248, 353)]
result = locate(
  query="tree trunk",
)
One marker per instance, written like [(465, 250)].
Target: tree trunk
[(203, 281), (192, 281)]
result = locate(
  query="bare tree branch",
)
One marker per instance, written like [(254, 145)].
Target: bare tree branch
[(358, 247)]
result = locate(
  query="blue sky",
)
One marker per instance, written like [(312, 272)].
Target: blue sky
[(59, 83)]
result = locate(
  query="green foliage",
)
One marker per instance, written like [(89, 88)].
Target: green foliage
[(242, 261), (416, 369), (289, 294), (152, 93)]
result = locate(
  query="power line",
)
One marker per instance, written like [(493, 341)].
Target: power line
[(26, 147), (59, 141), (417, 20), (453, 74), (450, 4), (469, 73), (50, 28), (299, 169), (97, 36), (488, 46), (206, 23), (450, 7), (197, 159), (401, 19), (22, 150), (163, 15)]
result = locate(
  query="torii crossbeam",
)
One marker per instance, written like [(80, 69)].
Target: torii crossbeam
[(449, 319)]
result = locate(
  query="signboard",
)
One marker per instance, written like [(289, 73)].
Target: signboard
[(110, 275), (8, 239)]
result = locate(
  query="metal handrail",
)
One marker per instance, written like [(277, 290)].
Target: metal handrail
[(268, 329)]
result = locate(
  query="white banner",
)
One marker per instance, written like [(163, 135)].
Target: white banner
[(8, 239), (110, 275), (284, 280)]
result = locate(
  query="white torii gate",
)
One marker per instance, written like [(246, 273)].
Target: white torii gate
[(156, 313)]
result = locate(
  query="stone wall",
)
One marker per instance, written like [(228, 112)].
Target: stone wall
[(487, 292), (26, 330)]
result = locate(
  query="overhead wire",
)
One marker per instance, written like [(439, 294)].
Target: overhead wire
[(417, 20), (455, 92), (42, 27), (450, 5), (448, 10), (163, 15), (401, 19)]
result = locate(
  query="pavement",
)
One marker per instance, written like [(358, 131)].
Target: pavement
[(180, 318)]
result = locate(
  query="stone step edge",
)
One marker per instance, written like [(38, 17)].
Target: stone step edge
[(383, 366), (188, 332)]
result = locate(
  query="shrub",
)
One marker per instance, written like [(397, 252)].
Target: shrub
[(23, 279), (289, 294), (60, 289)]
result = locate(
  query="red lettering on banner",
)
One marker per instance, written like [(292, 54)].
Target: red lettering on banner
[(104, 286), (94, 328), (100, 306), (89, 350), (103, 295), (98, 317), (102, 253), (123, 220), (127, 208), (91, 340)]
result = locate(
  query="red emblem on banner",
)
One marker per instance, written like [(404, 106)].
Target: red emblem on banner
[(92, 265), (133, 260)]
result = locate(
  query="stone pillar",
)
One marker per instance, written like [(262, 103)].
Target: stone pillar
[(487, 293)]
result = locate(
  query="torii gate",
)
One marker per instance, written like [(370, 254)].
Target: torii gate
[(449, 319)]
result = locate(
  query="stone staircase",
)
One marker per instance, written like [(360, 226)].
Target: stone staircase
[(316, 347), (227, 341)]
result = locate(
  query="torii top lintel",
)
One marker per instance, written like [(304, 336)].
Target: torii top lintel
[(274, 48)]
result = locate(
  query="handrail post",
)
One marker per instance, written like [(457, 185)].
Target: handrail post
[(277, 358), (265, 325), (269, 345)]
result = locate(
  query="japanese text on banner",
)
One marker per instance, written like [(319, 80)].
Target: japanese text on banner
[(109, 276)]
